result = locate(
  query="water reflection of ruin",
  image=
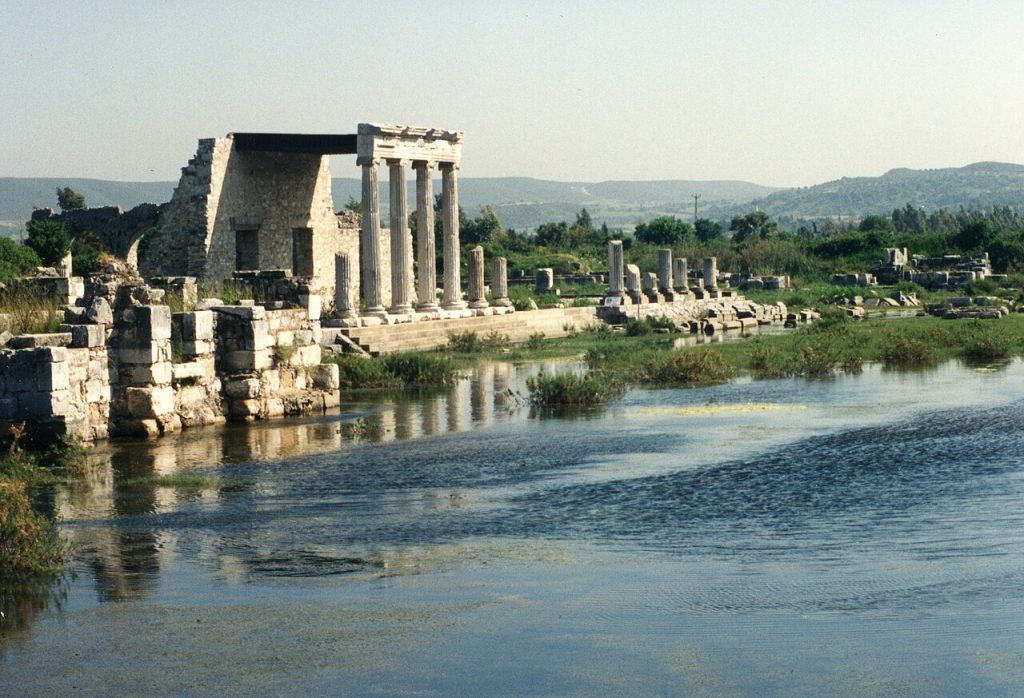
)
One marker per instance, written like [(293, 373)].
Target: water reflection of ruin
[(132, 481)]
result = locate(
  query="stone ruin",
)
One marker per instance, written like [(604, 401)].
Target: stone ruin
[(123, 363), (701, 303)]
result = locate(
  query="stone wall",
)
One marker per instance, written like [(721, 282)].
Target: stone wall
[(276, 206), (118, 230), (124, 364)]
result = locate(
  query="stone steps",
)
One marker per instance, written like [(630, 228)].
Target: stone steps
[(429, 335)]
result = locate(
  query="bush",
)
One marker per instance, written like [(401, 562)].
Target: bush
[(362, 373), (592, 388), (464, 342), (16, 260), (680, 368), (30, 545), (986, 343), (419, 369), (903, 351), (49, 239), (29, 310)]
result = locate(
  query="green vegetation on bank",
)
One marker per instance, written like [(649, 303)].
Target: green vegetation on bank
[(394, 371), (30, 545)]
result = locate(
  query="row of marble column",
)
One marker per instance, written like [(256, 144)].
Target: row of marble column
[(476, 291), (401, 244), (672, 272)]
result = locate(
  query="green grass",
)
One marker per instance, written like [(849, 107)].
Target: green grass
[(28, 310), (591, 388), (394, 371)]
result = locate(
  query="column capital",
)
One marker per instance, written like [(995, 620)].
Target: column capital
[(423, 164), (448, 165), (365, 160), (395, 162)]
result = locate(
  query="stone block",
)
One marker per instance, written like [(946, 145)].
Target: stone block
[(245, 408), (43, 405), (197, 325), (32, 341), (271, 381), (313, 305), (52, 376), (197, 348), (285, 338), (242, 312), (97, 391), (235, 361), (193, 370), (88, 336), (309, 355), (153, 322), (332, 399), (327, 377), (275, 407), (159, 373), (150, 402), (99, 312), (148, 353), (242, 389)]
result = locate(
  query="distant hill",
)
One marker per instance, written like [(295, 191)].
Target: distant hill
[(520, 202), (981, 185), (523, 202)]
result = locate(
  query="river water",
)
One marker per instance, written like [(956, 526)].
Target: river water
[(856, 535)]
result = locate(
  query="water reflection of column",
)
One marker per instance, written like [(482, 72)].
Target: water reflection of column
[(405, 420), (457, 406), (481, 385), (432, 416), (386, 420), (501, 386)]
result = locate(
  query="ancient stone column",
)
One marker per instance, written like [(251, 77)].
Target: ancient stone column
[(665, 270), (343, 287), (615, 268), (544, 282), (452, 299), (680, 274), (710, 272), (369, 243), (400, 262), (632, 278), (475, 283), (426, 257), (499, 282)]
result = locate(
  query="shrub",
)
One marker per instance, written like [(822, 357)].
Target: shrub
[(16, 260), (362, 373), (49, 239), (464, 342), (904, 351), (592, 388), (986, 343), (637, 328), (419, 369), (697, 367), (535, 342), (30, 545)]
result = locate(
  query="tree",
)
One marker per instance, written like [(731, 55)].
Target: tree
[(15, 260), (69, 200), (664, 230), (49, 240), (756, 225), (707, 230), (553, 234), (484, 228), (975, 236), (882, 224), (354, 205), (583, 220)]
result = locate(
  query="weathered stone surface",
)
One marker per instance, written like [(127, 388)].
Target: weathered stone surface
[(30, 341), (544, 281), (88, 336), (150, 402), (327, 377), (99, 312), (243, 389)]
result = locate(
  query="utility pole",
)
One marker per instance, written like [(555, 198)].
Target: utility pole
[(695, 197)]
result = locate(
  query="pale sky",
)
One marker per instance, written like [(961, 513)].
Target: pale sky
[(778, 93)]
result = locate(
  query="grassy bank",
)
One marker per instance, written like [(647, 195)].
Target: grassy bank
[(394, 371), (30, 546)]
